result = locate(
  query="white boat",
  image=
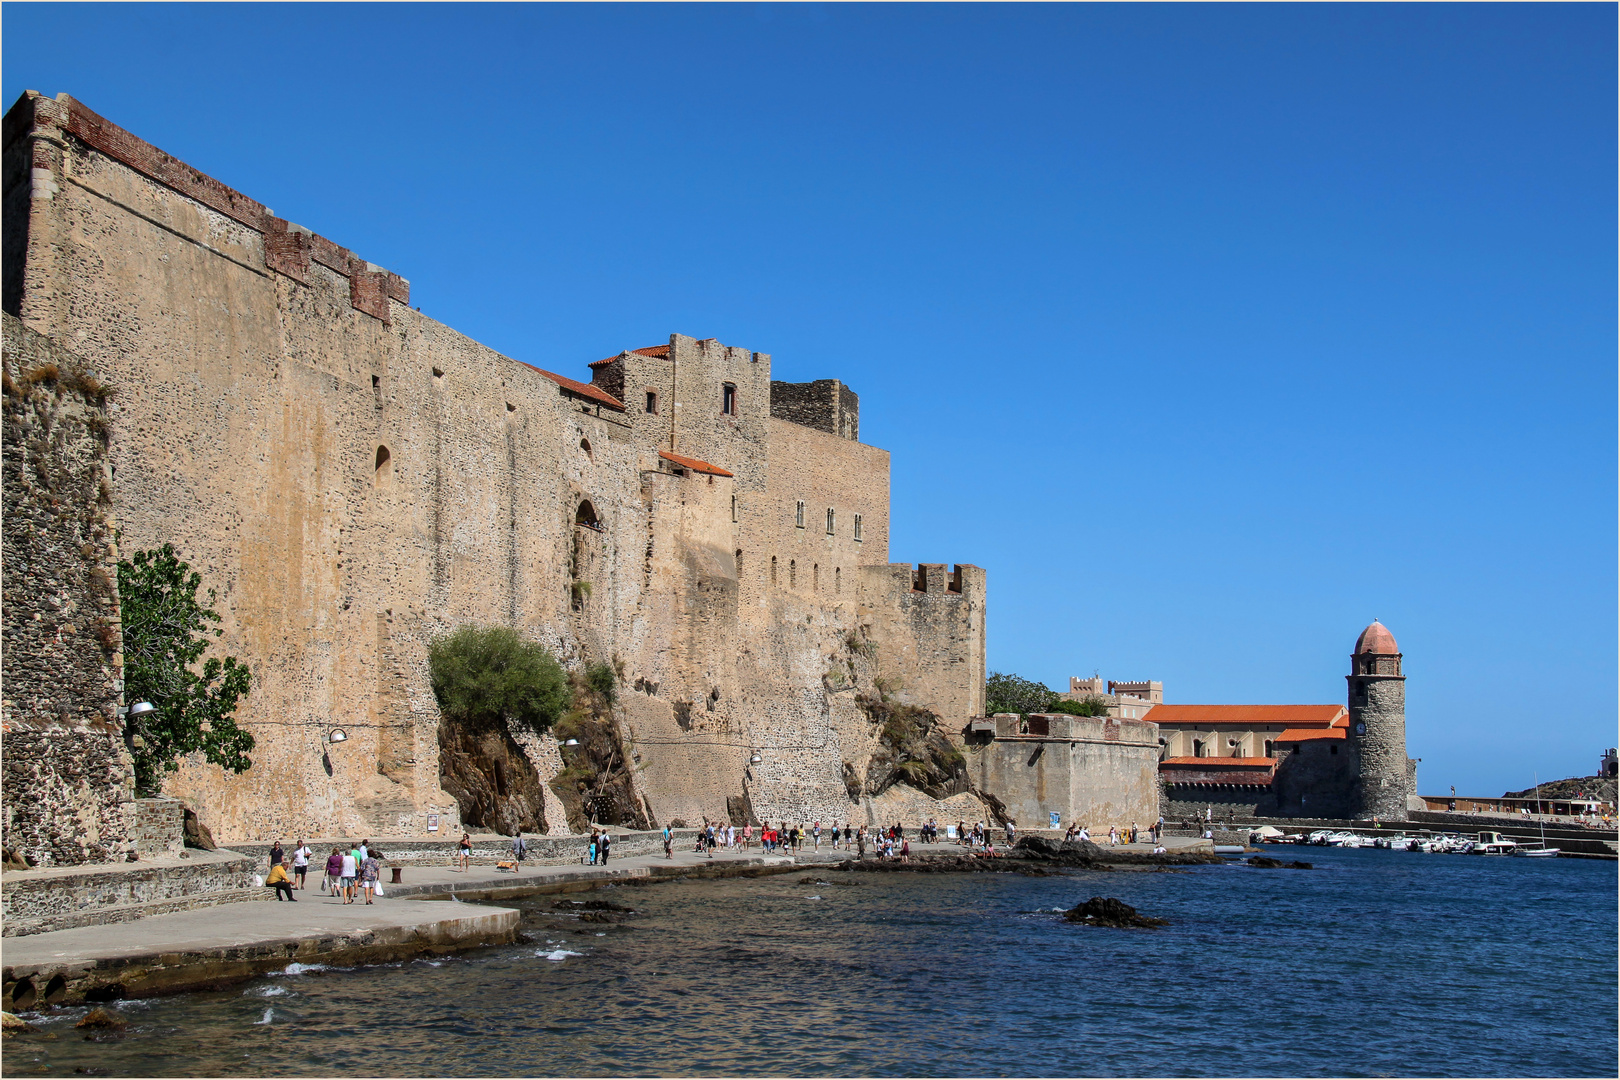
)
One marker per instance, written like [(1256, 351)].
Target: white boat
[(1491, 843)]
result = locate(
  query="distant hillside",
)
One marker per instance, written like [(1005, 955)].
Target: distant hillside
[(1588, 787)]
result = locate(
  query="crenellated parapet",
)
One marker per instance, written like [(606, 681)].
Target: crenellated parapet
[(928, 622)]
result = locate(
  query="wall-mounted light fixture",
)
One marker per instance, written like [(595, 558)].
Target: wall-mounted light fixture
[(336, 736), (756, 759), (571, 742), (141, 710)]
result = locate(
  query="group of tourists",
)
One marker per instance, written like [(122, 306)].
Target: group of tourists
[(348, 875), (596, 853), (1120, 835)]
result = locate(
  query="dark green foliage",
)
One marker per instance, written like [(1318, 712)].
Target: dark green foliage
[(601, 679), (1007, 693), (1091, 706), (483, 676), (166, 630)]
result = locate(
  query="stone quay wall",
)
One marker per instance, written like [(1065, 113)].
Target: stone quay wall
[(67, 781), (1092, 771), (355, 479)]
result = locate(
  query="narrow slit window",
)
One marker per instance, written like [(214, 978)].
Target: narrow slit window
[(652, 402), (793, 573), (728, 400), (734, 508), (815, 577), (838, 581), (773, 569), (857, 528), (830, 520), (798, 514)]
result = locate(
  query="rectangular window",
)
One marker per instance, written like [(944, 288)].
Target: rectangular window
[(652, 401), (829, 521), (798, 514), (857, 528), (728, 400)]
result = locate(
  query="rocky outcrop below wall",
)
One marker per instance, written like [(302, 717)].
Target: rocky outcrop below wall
[(494, 783), (67, 783)]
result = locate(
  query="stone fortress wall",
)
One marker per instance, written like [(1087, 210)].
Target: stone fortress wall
[(67, 781), (355, 478)]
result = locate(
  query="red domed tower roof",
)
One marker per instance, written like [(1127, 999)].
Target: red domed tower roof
[(1377, 639)]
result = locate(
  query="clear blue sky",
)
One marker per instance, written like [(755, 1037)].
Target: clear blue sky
[(1211, 331)]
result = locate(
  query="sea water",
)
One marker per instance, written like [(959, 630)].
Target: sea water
[(1374, 963)]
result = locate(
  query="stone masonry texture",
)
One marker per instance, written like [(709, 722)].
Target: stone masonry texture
[(68, 787), (355, 479)]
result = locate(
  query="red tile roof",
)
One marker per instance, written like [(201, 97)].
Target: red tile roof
[(1298, 716), (1306, 734), (582, 389), (1219, 762), (651, 350), (695, 464)]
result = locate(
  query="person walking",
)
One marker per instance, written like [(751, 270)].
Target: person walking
[(350, 870), (607, 843), (590, 851), (519, 849), (334, 873), (669, 843), (278, 881), (464, 852), (276, 854), (370, 869), (300, 863)]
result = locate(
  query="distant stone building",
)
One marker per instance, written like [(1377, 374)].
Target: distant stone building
[(1086, 770), (1327, 761), (355, 478), (1127, 700)]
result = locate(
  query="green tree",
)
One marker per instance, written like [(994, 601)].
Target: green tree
[(166, 630), (489, 675), (1006, 692), (1089, 706)]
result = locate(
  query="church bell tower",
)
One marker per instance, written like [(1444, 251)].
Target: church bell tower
[(1378, 724)]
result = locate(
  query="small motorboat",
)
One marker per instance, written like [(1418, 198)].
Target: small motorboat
[(1491, 843), (1542, 852)]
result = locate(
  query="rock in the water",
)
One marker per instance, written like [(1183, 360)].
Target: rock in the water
[(1107, 911), (1266, 863), (197, 834), (101, 1018), (11, 1022)]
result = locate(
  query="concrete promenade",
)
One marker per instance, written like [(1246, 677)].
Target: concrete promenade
[(427, 914)]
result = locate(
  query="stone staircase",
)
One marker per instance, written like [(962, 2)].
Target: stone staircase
[(64, 897)]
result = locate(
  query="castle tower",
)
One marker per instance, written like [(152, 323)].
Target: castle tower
[(1378, 723)]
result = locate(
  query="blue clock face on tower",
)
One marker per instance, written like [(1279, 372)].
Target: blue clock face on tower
[(1361, 729)]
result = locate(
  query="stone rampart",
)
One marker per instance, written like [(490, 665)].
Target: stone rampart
[(1091, 771), (355, 479), (67, 779)]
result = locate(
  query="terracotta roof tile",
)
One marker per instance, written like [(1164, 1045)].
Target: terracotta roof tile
[(582, 389), (695, 464), (651, 350), (1300, 716), (1307, 734)]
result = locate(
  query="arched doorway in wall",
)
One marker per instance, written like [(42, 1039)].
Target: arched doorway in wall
[(582, 561)]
